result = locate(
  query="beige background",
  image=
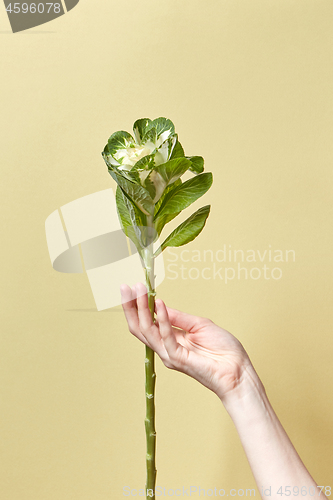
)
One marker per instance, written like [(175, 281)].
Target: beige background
[(249, 86)]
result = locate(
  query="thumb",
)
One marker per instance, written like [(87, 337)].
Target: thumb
[(187, 322)]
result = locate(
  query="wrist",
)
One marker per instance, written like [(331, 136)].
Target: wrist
[(271, 455), (248, 397)]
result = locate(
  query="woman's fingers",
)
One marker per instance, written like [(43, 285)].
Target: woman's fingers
[(128, 301), (187, 322), (176, 352), (172, 345), (140, 320), (147, 327), (128, 297), (144, 313), (161, 336)]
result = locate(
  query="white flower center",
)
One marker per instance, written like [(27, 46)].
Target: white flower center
[(129, 156)]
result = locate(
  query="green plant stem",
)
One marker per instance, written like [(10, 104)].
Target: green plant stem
[(150, 375)]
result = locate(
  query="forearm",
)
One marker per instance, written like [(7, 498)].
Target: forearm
[(271, 455)]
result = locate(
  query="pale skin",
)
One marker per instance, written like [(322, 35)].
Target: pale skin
[(214, 357)]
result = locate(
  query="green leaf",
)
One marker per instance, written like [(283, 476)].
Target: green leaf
[(130, 217), (163, 175), (197, 164), (150, 135), (163, 153), (178, 151), (140, 127), (138, 195), (167, 190), (129, 213), (163, 125), (128, 174), (140, 171), (173, 169), (132, 175), (123, 212), (180, 198), (161, 221), (119, 140), (150, 186), (109, 160), (186, 231), (146, 163)]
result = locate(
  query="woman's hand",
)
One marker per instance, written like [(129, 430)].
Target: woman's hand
[(189, 344), (214, 357)]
